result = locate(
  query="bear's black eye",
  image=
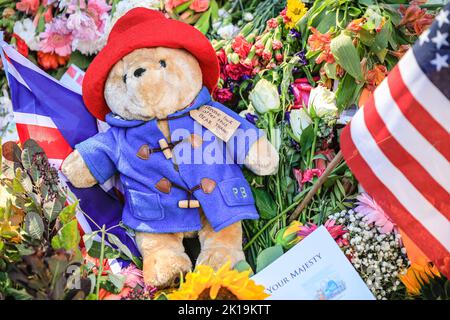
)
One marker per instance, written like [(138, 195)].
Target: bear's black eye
[(162, 63), (138, 72), (124, 78)]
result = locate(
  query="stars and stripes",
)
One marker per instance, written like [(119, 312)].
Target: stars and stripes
[(398, 144)]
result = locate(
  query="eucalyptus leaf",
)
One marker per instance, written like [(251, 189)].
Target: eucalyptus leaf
[(267, 256), (34, 226), (346, 55)]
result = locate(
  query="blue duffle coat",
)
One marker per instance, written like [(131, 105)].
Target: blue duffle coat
[(147, 209)]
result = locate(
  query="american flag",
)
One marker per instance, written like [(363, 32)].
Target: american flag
[(54, 115), (398, 144)]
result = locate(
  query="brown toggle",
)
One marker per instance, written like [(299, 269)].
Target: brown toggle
[(165, 148), (188, 204), (144, 152), (207, 185), (164, 185)]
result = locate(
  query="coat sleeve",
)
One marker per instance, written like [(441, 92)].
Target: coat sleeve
[(100, 153), (244, 137)]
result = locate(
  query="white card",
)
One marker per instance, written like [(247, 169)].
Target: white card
[(314, 269)]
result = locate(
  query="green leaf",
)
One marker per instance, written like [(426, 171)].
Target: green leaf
[(109, 252), (242, 266), (26, 159), (346, 55), (381, 39), (306, 139), (34, 226), (68, 213), (265, 204), (52, 209), (88, 239), (80, 60), (117, 280), (267, 256), (113, 239), (21, 294), (345, 92), (68, 237)]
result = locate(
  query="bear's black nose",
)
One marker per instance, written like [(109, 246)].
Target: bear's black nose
[(138, 72)]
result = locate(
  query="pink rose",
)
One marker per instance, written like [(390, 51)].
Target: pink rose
[(28, 6), (171, 4), (199, 5)]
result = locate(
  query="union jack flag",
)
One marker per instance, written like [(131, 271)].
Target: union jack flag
[(54, 115)]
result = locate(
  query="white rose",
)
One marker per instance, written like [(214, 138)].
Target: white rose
[(265, 97), (299, 120), (323, 101)]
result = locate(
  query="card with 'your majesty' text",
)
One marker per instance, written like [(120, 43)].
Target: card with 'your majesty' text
[(314, 269)]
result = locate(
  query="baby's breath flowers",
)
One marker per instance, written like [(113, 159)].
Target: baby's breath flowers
[(378, 257)]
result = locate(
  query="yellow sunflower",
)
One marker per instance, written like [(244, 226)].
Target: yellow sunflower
[(417, 275), (225, 284), (295, 10)]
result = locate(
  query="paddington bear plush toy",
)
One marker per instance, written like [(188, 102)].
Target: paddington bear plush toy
[(178, 152)]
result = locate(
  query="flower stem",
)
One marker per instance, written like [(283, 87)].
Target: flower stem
[(102, 254), (313, 146)]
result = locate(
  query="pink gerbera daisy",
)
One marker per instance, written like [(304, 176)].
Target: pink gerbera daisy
[(57, 38), (373, 213)]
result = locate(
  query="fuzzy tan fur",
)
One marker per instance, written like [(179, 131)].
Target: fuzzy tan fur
[(159, 92)]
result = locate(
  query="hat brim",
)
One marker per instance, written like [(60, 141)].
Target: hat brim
[(161, 32)]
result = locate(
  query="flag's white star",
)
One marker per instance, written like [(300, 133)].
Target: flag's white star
[(424, 37), (442, 18), (440, 39), (440, 61)]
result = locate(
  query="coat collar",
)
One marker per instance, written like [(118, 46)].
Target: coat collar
[(202, 98)]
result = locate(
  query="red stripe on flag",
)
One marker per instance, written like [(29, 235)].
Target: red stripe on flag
[(50, 139), (400, 158), (384, 197), (419, 117)]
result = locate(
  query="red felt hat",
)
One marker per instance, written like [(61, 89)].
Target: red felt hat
[(145, 28)]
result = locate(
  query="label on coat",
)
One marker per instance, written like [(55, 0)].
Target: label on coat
[(218, 122)]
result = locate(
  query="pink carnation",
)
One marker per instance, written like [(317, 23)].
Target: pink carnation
[(309, 174), (57, 38), (199, 5), (222, 95), (241, 46), (83, 27), (373, 213), (272, 23), (277, 44), (336, 231)]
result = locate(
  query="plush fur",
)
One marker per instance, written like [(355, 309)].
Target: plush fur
[(169, 81)]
